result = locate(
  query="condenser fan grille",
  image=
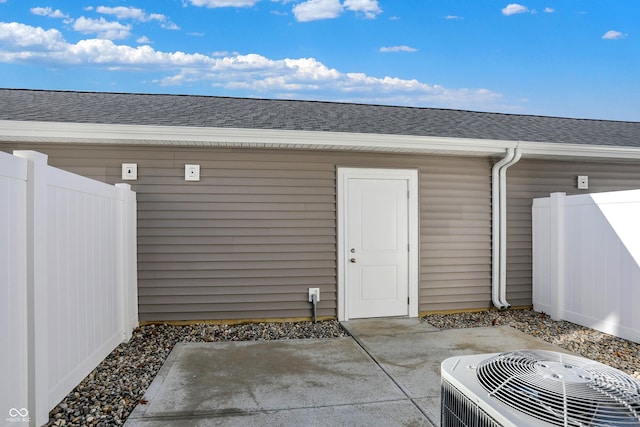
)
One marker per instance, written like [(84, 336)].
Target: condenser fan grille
[(561, 389)]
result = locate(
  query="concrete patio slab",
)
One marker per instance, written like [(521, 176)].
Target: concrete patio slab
[(387, 326), (263, 378), (387, 373), (414, 363)]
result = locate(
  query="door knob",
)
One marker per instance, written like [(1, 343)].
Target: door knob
[(353, 260), (353, 250)]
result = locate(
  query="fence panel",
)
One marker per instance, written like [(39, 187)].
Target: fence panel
[(83, 324), (586, 263), (541, 242), (79, 294), (13, 290)]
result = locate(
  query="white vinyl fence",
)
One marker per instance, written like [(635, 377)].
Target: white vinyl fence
[(68, 281), (586, 260), (13, 287)]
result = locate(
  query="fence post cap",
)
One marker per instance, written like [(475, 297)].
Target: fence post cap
[(30, 154), (124, 186)]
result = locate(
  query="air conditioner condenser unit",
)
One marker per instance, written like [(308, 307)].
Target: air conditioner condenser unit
[(536, 388)]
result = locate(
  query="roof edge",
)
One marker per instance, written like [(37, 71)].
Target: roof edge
[(90, 133), (57, 132)]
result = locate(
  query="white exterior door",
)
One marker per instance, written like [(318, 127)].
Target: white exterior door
[(376, 242)]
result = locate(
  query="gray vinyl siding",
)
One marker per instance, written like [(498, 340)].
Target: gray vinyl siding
[(531, 179), (455, 222), (260, 227)]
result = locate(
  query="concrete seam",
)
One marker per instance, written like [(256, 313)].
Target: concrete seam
[(388, 374)]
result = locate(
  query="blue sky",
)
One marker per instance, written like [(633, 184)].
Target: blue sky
[(570, 58)]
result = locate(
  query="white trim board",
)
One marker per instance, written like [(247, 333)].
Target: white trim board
[(183, 136), (411, 175)]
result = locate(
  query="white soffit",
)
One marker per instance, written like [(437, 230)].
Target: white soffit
[(89, 133)]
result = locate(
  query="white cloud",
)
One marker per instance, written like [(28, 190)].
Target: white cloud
[(102, 28), (313, 10), (613, 35), (514, 8), (223, 3), (252, 73), (369, 8), (398, 49), (41, 11), (143, 40), (133, 13), (549, 10), (49, 12), (169, 26), (122, 12), (24, 40), (453, 17)]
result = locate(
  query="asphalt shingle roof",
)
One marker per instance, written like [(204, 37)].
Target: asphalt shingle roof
[(212, 111)]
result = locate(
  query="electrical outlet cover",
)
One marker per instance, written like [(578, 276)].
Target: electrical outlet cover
[(583, 182), (315, 291), (129, 171), (192, 172)]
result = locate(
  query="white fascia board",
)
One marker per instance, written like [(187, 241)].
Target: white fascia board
[(550, 150), (57, 132)]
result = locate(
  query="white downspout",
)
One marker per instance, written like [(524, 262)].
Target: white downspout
[(503, 227), (499, 228), (495, 228)]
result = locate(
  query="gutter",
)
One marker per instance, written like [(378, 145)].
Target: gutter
[(180, 136), (499, 228)]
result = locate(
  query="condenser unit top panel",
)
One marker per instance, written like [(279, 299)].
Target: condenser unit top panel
[(536, 388)]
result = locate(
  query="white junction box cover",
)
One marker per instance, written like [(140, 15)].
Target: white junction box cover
[(192, 172), (129, 171), (583, 182)]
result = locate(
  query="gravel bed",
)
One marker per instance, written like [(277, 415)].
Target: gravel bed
[(616, 352), (109, 393)]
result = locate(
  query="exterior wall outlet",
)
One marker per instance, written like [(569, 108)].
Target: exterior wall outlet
[(192, 172), (583, 182), (129, 171), (316, 292)]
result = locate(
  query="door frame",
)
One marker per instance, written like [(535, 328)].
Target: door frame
[(411, 176)]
